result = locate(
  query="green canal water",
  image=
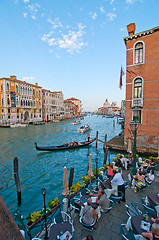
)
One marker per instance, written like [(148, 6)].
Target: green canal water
[(38, 169)]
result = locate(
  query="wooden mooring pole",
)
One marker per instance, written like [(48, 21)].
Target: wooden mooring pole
[(96, 139), (71, 177), (17, 181)]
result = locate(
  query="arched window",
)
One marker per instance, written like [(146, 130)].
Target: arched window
[(7, 87), (21, 102), (139, 53), (138, 88)]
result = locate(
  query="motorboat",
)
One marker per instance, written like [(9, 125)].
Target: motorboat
[(83, 129), (76, 122)]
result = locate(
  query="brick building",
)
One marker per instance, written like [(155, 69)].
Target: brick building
[(142, 86)]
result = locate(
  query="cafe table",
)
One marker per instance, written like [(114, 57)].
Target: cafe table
[(137, 223), (62, 231)]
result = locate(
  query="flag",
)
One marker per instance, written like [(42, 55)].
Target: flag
[(121, 75)]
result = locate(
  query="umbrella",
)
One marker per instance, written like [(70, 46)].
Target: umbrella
[(65, 183), (129, 146), (90, 173)]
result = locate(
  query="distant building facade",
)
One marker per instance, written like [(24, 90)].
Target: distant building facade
[(19, 101), (78, 105), (53, 105), (142, 85), (109, 109), (123, 108)]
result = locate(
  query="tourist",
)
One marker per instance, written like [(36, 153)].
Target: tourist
[(102, 201), (89, 214), (118, 180), (118, 163), (149, 177), (88, 135), (139, 180), (110, 171), (88, 237), (154, 234)]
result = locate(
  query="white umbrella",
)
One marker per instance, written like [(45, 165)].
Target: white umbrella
[(65, 183), (90, 173), (129, 150)]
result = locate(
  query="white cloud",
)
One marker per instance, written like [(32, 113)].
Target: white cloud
[(56, 23), (28, 78), (114, 9), (111, 16), (33, 17), (102, 10), (111, 2), (94, 16), (71, 41), (26, 1), (122, 29), (25, 15)]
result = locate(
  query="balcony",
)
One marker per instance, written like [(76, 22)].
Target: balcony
[(137, 102)]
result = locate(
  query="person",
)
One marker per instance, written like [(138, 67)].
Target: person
[(89, 214), (88, 135), (118, 180), (155, 220), (110, 171), (154, 234), (102, 200), (149, 177), (118, 163), (139, 180), (88, 237)]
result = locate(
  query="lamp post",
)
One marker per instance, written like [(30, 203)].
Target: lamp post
[(133, 127), (43, 190)]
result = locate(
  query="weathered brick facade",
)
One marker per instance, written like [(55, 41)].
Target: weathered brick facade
[(142, 86)]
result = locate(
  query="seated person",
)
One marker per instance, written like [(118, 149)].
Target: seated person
[(139, 180), (154, 234), (155, 220), (110, 170), (150, 165), (102, 200), (89, 214), (149, 177)]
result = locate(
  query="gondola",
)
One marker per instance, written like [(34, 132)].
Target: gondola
[(66, 146)]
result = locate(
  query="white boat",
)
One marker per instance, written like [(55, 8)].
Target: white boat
[(83, 129), (76, 122)]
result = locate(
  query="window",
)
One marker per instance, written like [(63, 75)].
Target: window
[(139, 53), (1, 87), (7, 87), (34, 92), (39, 93), (8, 110), (138, 88), (2, 101), (16, 89)]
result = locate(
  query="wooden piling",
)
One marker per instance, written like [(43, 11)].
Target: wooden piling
[(96, 138), (105, 150), (17, 181), (71, 177)]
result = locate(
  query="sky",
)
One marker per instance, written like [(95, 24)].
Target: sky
[(73, 46)]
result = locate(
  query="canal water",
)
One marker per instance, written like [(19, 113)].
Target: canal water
[(38, 169)]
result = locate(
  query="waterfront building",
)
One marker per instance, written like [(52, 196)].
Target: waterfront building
[(142, 85), (102, 111), (106, 104), (53, 105), (69, 109), (78, 105), (19, 101)]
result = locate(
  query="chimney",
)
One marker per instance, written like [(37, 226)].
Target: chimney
[(131, 29), (13, 77), (36, 84)]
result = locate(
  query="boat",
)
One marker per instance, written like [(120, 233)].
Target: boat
[(66, 146), (83, 129), (121, 120), (110, 116), (76, 122)]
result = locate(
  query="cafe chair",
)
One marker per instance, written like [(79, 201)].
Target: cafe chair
[(149, 210), (86, 226), (126, 185), (63, 217), (127, 235), (116, 198), (133, 210), (109, 208)]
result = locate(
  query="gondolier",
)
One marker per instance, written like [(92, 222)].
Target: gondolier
[(88, 135)]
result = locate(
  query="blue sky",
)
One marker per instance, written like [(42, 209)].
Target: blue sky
[(73, 46)]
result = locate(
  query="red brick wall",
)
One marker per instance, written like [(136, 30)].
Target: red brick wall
[(149, 71)]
